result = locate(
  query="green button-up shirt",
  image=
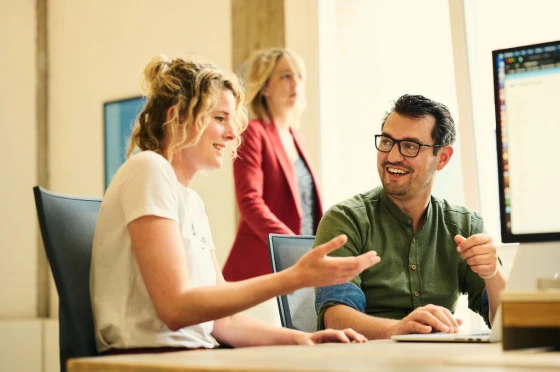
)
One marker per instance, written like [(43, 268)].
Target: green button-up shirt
[(416, 269)]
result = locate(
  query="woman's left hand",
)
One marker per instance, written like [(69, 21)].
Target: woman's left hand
[(330, 335)]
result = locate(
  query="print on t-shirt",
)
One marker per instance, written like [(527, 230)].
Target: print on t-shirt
[(202, 239)]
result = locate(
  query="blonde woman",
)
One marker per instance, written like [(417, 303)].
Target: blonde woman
[(155, 282), (276, 187)]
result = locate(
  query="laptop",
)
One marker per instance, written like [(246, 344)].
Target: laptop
[(532, 261)]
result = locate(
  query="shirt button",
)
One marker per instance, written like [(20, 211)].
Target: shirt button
[(416, 293), (413, 267), (410, 221), (414, 240)]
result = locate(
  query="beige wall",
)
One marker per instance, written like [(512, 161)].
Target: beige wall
[(18, 227), (18, 236)]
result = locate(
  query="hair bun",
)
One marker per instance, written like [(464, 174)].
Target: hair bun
[(152, 77)]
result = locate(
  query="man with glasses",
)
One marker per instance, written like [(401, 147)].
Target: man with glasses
[(431, 251)]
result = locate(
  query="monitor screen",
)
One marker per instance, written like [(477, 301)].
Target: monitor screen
[(527, 102)]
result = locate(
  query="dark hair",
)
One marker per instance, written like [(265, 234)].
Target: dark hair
[(417, 106)]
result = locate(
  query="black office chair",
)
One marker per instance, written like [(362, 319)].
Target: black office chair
[(297, 309), (67, 227)]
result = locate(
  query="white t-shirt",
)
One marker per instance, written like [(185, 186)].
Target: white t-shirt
[(123, 312)]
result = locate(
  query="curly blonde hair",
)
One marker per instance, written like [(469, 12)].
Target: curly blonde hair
[(191, 87), (260, 67)]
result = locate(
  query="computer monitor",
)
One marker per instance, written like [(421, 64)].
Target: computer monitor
[(527, 102)]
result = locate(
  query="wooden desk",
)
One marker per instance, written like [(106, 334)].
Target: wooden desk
[(382, 355)]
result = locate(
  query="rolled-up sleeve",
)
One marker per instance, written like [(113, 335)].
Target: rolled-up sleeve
[(341, 294)]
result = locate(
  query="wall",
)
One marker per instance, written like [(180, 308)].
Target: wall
[(18, 234), (18, 229), (375, 51)]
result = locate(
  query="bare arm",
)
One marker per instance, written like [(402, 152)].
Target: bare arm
[(158, 247), (421, 320), (482, 257), (494, 287), (239, 330)]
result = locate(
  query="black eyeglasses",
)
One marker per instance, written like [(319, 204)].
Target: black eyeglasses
[(407, 148)]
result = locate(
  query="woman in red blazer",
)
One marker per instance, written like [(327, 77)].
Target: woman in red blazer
[(276, 188)]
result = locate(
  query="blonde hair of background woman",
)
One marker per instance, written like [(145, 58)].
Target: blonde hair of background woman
[(190, 86), (261, 64)]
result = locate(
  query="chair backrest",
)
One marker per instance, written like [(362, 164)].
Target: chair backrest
[(67, 226), (297, 309)]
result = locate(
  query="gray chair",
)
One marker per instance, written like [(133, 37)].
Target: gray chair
[(67, 226), (297, 309)]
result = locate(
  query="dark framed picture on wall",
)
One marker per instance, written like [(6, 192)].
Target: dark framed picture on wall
[(118, 120)]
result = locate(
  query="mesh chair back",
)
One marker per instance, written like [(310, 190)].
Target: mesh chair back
[(67, 226), (297, 309)]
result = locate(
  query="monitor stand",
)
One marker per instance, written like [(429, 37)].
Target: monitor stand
[(533, 261)]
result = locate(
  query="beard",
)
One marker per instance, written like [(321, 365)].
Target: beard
[(393, 187), (417, 181)]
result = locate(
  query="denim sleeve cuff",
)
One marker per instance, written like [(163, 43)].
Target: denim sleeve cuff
[(341, 294), (485, 307)]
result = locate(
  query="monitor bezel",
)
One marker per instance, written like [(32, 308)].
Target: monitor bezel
[(507, 236)]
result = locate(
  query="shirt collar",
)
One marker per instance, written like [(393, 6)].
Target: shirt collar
[(403, 218)]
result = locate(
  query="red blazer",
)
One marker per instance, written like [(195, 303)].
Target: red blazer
[(268, 198)]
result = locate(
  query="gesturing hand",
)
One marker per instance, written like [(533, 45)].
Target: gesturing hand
[(480, 253), (331, 335), (317, 269)]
